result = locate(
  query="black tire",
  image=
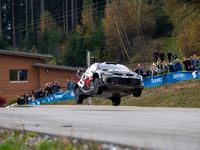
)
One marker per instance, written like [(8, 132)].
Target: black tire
[(78, 97), (137, 92), (116, 101), (97, 88)]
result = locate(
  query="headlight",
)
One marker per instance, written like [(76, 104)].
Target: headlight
[(141, 78), (108, 73)]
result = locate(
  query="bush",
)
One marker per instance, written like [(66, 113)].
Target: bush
[(2, 101), (11, 101)]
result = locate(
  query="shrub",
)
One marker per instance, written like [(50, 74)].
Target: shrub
[(2, 101), (11, 101)]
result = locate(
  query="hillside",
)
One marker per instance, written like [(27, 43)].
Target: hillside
[(180, 94)]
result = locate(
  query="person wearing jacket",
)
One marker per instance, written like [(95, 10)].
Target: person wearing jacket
[(69, 84), (178, 66)]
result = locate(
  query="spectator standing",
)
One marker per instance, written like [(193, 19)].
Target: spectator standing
[(186, 63), (146, 73), (195, 62), (174, 56), (191, 60), (153, 69), (156, 55), (139, 70), (178, 66), (158, 62), (143, 67), (162, 56), (169, 55), (73, 83), (57, 86), (164, 67), (69, 84)]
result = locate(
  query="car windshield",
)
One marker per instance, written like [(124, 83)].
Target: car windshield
[(112, 67)]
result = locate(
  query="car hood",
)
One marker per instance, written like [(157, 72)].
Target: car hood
[(120, 72)]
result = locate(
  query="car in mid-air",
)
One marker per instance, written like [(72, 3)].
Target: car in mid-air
[(108, 80)]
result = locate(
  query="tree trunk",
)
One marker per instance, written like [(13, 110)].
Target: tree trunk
[(120, 35), (67, 30), (139, 24), (63, 3), (32, 13), (58, 15), (13, 25), (97, 5), (42, 7), (132, 49), (26, 18), (107, 1), (0, 22), (72, 14), (90, 7), (76, 7)]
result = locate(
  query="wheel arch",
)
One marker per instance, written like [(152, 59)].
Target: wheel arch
[(95, 75)]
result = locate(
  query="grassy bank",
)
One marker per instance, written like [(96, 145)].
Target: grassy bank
[(180, 94)]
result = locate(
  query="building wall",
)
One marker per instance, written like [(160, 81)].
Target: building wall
[(56, 75), (7, 63), (12, 90)]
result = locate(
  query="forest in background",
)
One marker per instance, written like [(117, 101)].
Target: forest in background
[(112, 30)]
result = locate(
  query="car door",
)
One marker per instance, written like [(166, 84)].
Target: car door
[(88, 82)]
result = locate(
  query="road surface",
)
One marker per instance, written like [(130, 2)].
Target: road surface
[(157, 128)]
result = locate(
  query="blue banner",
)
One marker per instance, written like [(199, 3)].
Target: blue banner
[(153, 81), (53, 98), (170, 78)]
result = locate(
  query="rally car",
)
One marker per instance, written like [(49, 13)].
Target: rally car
[(108, 80)]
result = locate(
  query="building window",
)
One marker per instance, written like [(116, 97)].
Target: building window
[(18, 75), (23, 75), (13, 75)]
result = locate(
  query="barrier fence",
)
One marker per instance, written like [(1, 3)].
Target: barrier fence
[(169, 78), (53, 98)]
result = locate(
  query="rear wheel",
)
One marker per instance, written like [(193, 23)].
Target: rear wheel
[(137, 92), (116, 101), (78, 97), (97, 88)]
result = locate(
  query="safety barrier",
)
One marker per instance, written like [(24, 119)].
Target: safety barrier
[(169, 78), (53, 98)]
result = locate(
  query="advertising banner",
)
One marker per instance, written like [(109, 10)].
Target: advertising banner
[(170, 78), (153, 81), (53, 98)]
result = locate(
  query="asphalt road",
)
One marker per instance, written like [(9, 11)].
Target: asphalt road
[(157, 128)]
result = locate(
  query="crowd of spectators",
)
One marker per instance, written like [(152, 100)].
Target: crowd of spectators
[(50, 88), (161, 66)]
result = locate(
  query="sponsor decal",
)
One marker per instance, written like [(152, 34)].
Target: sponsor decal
[(57, 96), (72, 94), (157, 80), (177, 76)]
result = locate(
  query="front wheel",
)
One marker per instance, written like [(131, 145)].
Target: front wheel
[(78, 97), (137, 92), (116, 101), (97, 88)]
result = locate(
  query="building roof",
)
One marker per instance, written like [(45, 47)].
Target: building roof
[(55, 66), (24, 54)]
